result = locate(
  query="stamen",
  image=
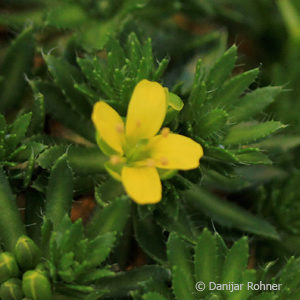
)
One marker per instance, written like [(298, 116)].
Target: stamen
[(138, 124), (115, 159), (150, 162), (120, 128), (165, 132), (164, 161)]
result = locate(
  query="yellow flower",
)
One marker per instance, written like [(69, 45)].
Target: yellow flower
[(138, 154)]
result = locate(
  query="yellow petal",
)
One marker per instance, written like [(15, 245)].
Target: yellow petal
[(146, 110), (142, 184), (109, 125), (175, 151)]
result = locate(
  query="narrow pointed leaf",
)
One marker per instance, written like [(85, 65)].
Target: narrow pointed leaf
[(222, 68), (180, 259), (60, 191), (111, 218), (254, 103), (227, 213), (17, 62), (230, 92), (245, 133), (11, 226)]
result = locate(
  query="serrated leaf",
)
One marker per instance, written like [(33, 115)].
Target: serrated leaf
[(82, 160), (29, 169), (2, 136), (222, 68), (65, 75), (227, 213), (11, 226), (149, 236), (60, 191), (244, 293), (107, 191), (279, 142), (99, 248), (93, 275), (66, 261), (253, 103), (38, 114), (182, 224), (56, 106), (180, 259), (229, 93), (17, 130), (210, 123), (68, 235), (221, 154), (245, 133), (131, 280), (236, 261), (253, 157), (153, 296), (111, 218), (17, 62), (265, 296), (50, 155), (85, 160), (206, 260), (162, 66)]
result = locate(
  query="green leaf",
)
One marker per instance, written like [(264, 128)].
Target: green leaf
[(60, 191), (245, 133), (111, 218), (38, 114), (236, 262), (11, 226), (131, 280), (210, 123), (253, 156), (86, 160), (50, 155), (207, 261), (283, 143), (93, 275), (180, 259), (229, 93), (17, 62), (61, 111), (253, 103), (66, 16), (99, 248), (222, 68), (65, 76), (68, 234), (220, 154), (265, 296), (29, 169), (244, 293), (153, 296), (162, 66), (82, 160), (2, 136), (227, 213), (150, 237), (175, 101), (182, 224), (95, 34), (18, 130)]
